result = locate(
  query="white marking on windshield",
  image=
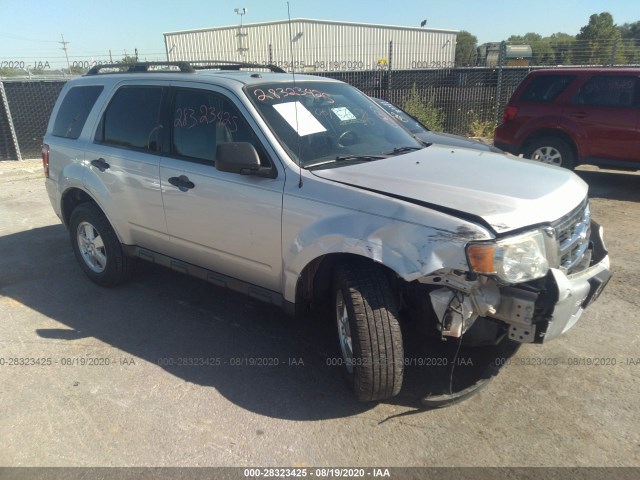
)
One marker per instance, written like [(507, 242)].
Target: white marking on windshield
[(306, 123)]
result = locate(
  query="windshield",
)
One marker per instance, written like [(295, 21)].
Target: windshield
[(323, 122), (401, 116)]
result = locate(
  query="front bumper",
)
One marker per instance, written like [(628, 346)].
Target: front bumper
[(539, 317), (575, 293)]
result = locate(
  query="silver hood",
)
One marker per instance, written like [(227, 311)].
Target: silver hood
[(508, 193)]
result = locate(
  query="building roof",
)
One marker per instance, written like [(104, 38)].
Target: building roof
[(311, 20)]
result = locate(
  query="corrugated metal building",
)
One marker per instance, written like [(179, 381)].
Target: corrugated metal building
[(317, 45)]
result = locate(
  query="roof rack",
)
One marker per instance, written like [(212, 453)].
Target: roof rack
[(227, 65), (184, 67), (141, 67)]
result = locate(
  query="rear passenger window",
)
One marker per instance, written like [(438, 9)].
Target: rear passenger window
[(608, 91), (546, 88), (74, 111), (132, 119)]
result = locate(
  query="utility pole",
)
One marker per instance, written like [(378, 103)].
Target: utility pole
[(66, 54), (240, 35)]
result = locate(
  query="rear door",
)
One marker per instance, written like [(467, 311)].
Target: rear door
[(222, 221), (124, 163), (607, 113)]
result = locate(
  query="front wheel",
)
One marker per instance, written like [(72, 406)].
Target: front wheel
[(552, 151), (97, 247), (368, 330)]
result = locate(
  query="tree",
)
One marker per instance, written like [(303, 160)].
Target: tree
[(630, 31), (562, 45), (598, 41), (466, 49), (540, 48), (630, 45)]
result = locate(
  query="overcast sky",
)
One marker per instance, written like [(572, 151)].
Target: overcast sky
[(30, 29)]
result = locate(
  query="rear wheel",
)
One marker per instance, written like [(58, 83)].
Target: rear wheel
[(368, 330), (552, 151), (97, 247)]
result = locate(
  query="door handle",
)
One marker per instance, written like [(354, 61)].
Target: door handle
[(182, 182), (100, 164)]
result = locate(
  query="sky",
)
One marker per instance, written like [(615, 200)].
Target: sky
[(31, 29)]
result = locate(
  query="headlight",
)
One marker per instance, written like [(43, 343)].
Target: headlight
[(514, 259)]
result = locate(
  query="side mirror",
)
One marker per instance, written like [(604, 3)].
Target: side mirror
[(239, 157)]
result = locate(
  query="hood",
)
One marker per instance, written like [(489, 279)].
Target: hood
[(508, 193), (454, 141)]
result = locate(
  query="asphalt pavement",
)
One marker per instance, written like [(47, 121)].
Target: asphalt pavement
[(171, 371)]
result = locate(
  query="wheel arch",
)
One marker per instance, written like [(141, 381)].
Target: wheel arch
[(74, 196), (315, 281), (554, 133), (71, 198)]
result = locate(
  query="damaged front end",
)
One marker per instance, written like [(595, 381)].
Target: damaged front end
[(532, 286)]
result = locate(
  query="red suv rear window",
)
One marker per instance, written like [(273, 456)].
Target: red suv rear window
[(546, 88)]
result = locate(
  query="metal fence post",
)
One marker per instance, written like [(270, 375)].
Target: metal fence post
[(503, 53), (389, 65), (14, 137)]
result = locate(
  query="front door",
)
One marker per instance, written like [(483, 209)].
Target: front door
[(225, 222)]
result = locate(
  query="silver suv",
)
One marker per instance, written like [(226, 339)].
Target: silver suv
[(299, 191)]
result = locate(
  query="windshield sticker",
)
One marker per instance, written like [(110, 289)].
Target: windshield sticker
[(303, 121), (343, 113)]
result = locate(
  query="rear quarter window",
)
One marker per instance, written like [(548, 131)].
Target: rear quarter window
[(546, 88), (608, 91), (74, 111)]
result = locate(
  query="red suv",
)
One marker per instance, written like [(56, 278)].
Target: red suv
[(569, 116)]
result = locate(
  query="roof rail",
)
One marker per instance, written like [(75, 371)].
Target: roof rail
[(141, 67), (228, 65)]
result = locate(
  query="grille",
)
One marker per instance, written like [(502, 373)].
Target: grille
[(572, 234)]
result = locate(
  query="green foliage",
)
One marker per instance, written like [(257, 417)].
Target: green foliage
[(599, 37), (630, 31), (600, 42), (426, 112), (563, 46), (466, 45), (481, 124)]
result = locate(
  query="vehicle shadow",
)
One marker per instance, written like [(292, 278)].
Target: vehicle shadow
[(251, 353), (612, 185)]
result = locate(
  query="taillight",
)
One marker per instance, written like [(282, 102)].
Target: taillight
[(45, 159), (509, 113)]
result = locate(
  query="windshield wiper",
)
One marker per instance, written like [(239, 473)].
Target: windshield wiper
[(403, 150), (343, 158)]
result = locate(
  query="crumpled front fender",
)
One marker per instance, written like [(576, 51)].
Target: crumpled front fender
[(410, 250)]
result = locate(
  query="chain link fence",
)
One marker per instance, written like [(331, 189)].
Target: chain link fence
[(25, 107), (466, 101)]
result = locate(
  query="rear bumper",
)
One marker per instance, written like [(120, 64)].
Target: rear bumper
[(52, 192)]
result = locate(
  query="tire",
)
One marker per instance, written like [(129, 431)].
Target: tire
[(552, 151), (97, 247), (368, 331)]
